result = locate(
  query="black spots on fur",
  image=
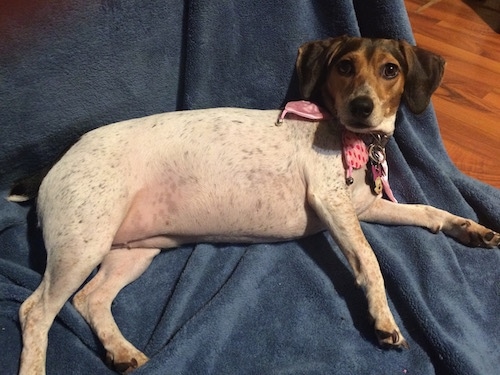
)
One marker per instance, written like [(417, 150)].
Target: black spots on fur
[(185, 132), (258, 205), (248, 154), (252, 175)]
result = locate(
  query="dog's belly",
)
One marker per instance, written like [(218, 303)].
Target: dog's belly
[(229, 210)]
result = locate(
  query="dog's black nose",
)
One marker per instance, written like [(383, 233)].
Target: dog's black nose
[(361, 107)]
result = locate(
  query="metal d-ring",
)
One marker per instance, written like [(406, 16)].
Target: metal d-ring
[(376, 153)]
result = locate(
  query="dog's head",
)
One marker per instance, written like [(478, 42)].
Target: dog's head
[(362, 81)]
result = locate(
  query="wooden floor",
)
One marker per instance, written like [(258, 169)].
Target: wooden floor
[(467, 34)]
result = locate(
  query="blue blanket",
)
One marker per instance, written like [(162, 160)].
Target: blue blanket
[(292, 307)]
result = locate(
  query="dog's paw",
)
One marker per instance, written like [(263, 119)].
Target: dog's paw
[(491, 239), (391, 340), (475, 235), (126, 364), (388, 334)]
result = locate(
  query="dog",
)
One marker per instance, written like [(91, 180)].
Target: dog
[(126, 190)]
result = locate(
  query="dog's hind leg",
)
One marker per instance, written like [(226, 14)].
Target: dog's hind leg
[(63, 276), (80, 208), (119, 268)]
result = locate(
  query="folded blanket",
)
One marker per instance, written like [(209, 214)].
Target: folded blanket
[(291, 307)]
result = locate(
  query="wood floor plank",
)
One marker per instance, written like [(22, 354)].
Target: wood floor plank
[(493, 100), (467, 105), (457, 49)]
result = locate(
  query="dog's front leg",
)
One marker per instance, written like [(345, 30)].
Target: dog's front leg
[(464, 230), (340, 217)]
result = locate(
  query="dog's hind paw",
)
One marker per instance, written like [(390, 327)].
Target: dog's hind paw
[(391, 340)]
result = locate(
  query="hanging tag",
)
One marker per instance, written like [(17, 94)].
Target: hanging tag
[(377, 175), (385, 182), (380, 169)]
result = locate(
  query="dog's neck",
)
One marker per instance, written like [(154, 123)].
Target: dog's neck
[(358, 150)]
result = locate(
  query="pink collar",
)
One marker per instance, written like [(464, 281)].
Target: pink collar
[(305, 109), (355, 153)]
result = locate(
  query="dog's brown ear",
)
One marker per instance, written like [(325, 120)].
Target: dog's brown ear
[(423, 76), (312, 63)]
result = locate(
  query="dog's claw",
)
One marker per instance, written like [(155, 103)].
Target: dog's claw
[(404, 344), (122, 367)]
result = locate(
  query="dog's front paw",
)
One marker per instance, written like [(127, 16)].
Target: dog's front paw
[(126, 364), (388, 333), (490, 239), (475, 235)]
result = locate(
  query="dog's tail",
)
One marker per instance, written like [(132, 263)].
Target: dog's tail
[(26, 188)]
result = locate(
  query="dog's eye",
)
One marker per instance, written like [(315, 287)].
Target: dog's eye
[(390, 71), (345, 67)]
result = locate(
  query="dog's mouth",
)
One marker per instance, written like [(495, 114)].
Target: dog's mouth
[(368, 127), (357, 126), (366, 123)]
